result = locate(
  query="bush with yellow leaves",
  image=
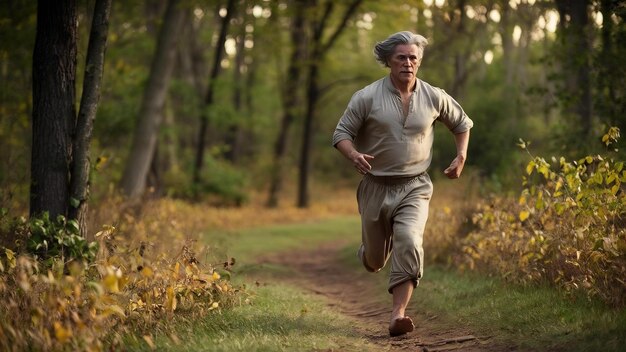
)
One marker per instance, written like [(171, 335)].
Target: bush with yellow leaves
[(568, 227), (67, 304)]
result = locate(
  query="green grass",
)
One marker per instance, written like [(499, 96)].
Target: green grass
[(281, 318), (535, 318), (285, 318), (249, 244)]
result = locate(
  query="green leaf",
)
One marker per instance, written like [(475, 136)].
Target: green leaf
[(74, 202), (615, 188)]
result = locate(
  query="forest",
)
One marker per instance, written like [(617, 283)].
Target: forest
[(116, 116)]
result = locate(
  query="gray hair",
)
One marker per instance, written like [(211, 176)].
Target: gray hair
[(383, 50)]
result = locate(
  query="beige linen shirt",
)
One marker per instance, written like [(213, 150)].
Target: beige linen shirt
[(401, 145)]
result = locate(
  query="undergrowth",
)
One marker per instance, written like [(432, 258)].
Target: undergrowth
[(567, 228), (141, 276), (55, 299)]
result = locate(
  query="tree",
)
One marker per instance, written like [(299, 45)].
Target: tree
[(208, 101), (60, 149), (94, 67), (575, 60), (314, 60), (54, 93), (133, 181), (290, 100)]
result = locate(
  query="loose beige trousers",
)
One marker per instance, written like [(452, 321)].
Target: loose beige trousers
[(393, 212)]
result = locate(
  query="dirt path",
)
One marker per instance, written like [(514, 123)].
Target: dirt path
[(347, 292)]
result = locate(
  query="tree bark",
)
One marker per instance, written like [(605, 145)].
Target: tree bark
[(133, 181), (576, 63), (94, 67), (54, 115), (320, 49), (291, 102), (215, 72)]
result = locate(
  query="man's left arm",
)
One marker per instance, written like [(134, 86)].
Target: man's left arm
[(456, 167)]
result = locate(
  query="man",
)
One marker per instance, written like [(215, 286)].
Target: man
[(387, 133)]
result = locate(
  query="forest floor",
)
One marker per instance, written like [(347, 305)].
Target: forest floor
[(356, 295)]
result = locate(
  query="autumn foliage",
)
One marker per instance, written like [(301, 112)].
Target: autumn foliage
[(568, 227), (145, 275)]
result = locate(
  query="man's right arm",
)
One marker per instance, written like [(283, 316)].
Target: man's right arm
[(359, 160)]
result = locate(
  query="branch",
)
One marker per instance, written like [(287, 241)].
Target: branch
[(349, 12)]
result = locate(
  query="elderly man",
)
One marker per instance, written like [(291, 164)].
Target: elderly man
[(387, 133)]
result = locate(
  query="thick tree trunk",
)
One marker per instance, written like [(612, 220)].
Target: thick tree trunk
[(208, 101), (79, 184), (133, 181), (54, 114)]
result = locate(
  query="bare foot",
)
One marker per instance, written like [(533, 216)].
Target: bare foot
[(401, 326)]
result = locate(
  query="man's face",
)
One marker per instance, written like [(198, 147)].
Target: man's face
[(404, 63)]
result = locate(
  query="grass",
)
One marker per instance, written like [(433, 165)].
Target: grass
[(535, 318), (286, 318), (282, 318), (248, 244)]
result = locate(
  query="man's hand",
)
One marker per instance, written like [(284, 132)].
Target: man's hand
[(456, 167), (361, 162)]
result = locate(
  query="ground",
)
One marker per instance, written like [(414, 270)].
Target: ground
[(351, 292)]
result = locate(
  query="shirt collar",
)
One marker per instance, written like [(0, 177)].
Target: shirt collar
[(389, 85)]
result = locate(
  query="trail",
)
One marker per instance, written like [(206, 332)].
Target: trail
[(355, 294)]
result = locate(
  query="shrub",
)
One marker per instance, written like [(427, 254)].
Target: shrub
[(568, 226), (131, 286)]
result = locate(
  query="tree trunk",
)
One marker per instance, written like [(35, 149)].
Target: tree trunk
[(215, 72), (318, 53), (79, 181), (291, 102), (54, 115), (506, 33), (234, 131), (133, 181), (576, 63), (305, 152)]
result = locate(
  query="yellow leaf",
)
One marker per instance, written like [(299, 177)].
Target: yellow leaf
[(558, 185), (111, 283), (188, 270), (523, 215), (62, 334), (530, 167), (147, 271), (10, 258), (605, 139), (170, 299), (216, 276), (176, 270), (615, 188)]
